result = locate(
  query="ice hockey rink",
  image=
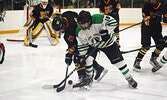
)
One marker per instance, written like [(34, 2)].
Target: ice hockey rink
[(26, 69)]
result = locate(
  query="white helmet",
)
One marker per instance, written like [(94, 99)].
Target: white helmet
[(44, 3)]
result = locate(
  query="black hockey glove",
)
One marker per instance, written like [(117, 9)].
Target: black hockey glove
[(79, 61), (68, 59), (104, 35), (163, 41)]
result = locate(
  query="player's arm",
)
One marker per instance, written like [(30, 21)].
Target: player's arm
[(82, 43), (146, 14), (110, 23), (165, 14), (118, 6), (107, 28), (50, 12), (31, 19), (101, 7)]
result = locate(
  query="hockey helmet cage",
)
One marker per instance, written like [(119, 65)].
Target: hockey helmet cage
[(58, 23), (84, 17), (44, 3)]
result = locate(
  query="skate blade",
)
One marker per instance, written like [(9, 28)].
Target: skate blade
[(137, 70), (103, 74), (81, 88), (152, 64), (131, 87)]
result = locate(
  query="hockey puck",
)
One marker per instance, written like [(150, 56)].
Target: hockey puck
[(70, 82)]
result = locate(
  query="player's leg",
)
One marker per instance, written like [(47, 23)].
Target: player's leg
[(34, 33), (99, 70), (2, 52), (145, 41), (51, 33), (85, 78), (161, 62), (157, 37), (114, 55)]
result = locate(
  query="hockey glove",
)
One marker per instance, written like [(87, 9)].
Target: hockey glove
[(68, 59), (163, 41), (104, 35), (79, 61)]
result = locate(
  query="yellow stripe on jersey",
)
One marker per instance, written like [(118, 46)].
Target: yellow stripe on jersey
[(81, 68)]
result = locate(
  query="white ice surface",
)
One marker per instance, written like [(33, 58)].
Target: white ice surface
[(26, 69)]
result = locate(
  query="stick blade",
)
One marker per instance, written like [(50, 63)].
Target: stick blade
[(48, 86), (60, 88)]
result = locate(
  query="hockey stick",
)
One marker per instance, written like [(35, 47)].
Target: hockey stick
[(56, 86), (130, 26), (64, 80), (124, 52), (62, 87)]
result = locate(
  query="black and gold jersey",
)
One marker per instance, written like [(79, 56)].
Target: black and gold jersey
[(40, 14), (69, 36), (109, 6)]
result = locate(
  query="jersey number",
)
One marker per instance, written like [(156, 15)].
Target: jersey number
[(44, 14)]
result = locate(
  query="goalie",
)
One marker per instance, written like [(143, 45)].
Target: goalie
[(39, 19)]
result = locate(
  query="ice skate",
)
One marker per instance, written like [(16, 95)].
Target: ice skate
[(132, 82), (155, 64), (85, 82), (136, 65), (100, 73)]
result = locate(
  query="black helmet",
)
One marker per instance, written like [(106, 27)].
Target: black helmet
[(58, 23), (84, 17)]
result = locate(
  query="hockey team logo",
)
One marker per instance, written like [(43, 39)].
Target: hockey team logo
[(71, 38), (58, 22)]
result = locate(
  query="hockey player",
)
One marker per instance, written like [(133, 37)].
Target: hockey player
[(96, 33), (39, 19), (151, 27), (2, 52), (111, 8), (163, 60), (67, 23)]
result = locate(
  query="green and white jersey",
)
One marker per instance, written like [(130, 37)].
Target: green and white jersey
[(92, 36)]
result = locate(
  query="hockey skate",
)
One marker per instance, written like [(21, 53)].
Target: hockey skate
[(132, 82), (85, 82), (155, 64), (100, 73), (136, 65)]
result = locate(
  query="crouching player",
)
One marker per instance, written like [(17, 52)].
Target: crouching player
[(39, 19), (97, 33), (67, 23)]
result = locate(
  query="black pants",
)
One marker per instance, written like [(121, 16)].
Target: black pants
[(112, 52), (147, 32), (154, 31)]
